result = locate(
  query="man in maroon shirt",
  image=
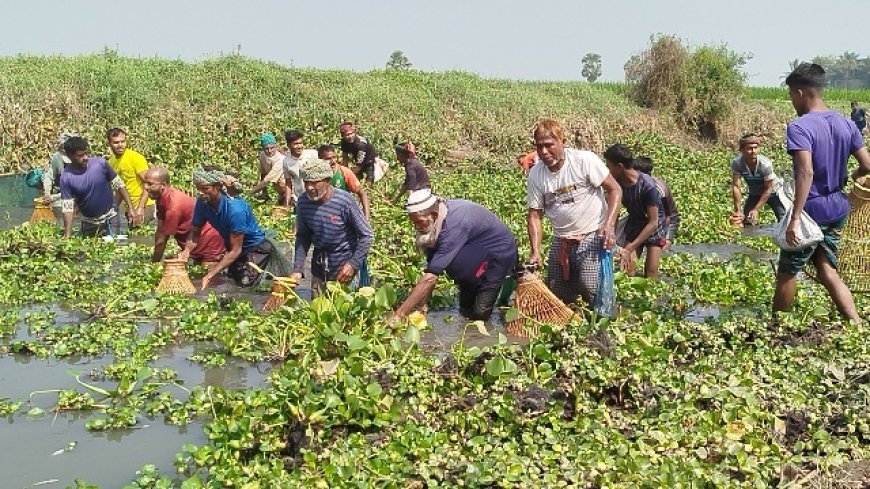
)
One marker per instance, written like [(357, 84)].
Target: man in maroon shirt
[(174, 214)]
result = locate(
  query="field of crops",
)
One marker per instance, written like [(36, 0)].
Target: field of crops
[(651, 398)]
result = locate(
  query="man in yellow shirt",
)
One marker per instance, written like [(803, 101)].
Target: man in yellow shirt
[(131, 167)]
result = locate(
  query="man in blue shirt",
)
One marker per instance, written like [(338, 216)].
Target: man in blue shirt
[(331, 220), (466, 241), (233, 219), (89, 184)]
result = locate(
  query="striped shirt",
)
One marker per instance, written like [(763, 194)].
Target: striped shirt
[(337, 229)]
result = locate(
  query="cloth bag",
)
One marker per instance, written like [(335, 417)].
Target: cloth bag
[(808, 232), (381, 168), (605, 297)]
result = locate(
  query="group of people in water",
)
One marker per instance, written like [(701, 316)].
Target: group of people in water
[(579, 192)]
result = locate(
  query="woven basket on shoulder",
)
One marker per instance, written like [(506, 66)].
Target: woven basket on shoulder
[(536, 304), (41, 212), (175, 279), (854, 259)]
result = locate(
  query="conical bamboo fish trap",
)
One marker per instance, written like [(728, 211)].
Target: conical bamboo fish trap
[(854, 259), (41, 212), (280, 212), (175, 279), (536, 304), (282, 289)]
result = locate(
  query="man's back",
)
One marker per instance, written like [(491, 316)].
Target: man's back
[(831, 139)]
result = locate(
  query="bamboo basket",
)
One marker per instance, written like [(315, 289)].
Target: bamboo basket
[(536, 304), (280, 212), (175, 279), (854, 259), (41, 212), (282, 289), (736, 219)]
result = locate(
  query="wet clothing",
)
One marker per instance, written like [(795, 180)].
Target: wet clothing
[(859, 117), (233, 215), (477, 251), (338, 230), (362, 154), (792, 262), (672, 214), (774, 202), (572, 197), (174, 215), (575, 273), (636, 198), (416, 176), (90, 188), (831, 138), (128, 167)]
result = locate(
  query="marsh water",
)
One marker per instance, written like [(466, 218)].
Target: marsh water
[(54, 449)]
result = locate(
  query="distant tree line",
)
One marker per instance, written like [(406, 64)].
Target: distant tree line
[(847, 70)]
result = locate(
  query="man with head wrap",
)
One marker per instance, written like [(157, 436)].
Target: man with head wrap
[(331, 220), (244, 239), (466, 241), (762, 183), (270, 163)]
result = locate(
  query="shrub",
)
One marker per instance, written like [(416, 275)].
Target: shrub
[(700, 87)]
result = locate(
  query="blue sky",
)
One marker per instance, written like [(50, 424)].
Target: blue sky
[(504, 39)]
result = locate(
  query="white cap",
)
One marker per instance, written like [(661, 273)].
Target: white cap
[(420, 200)]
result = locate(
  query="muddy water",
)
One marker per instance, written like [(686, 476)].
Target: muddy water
[(29, 444), (16, 205), (106, 459)]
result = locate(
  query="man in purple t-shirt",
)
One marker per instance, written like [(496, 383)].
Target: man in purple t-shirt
[(89, 183), (820, 142)]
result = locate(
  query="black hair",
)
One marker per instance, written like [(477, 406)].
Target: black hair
[(323, 148), (643, 165), (400, 149), (619, 153), (292, 135), (806, 75), (74, 144), (114, 132)]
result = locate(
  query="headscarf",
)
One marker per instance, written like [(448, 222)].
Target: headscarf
[(316, 170), (205, 177), (267, 139), (407, 148), (749, 138)]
